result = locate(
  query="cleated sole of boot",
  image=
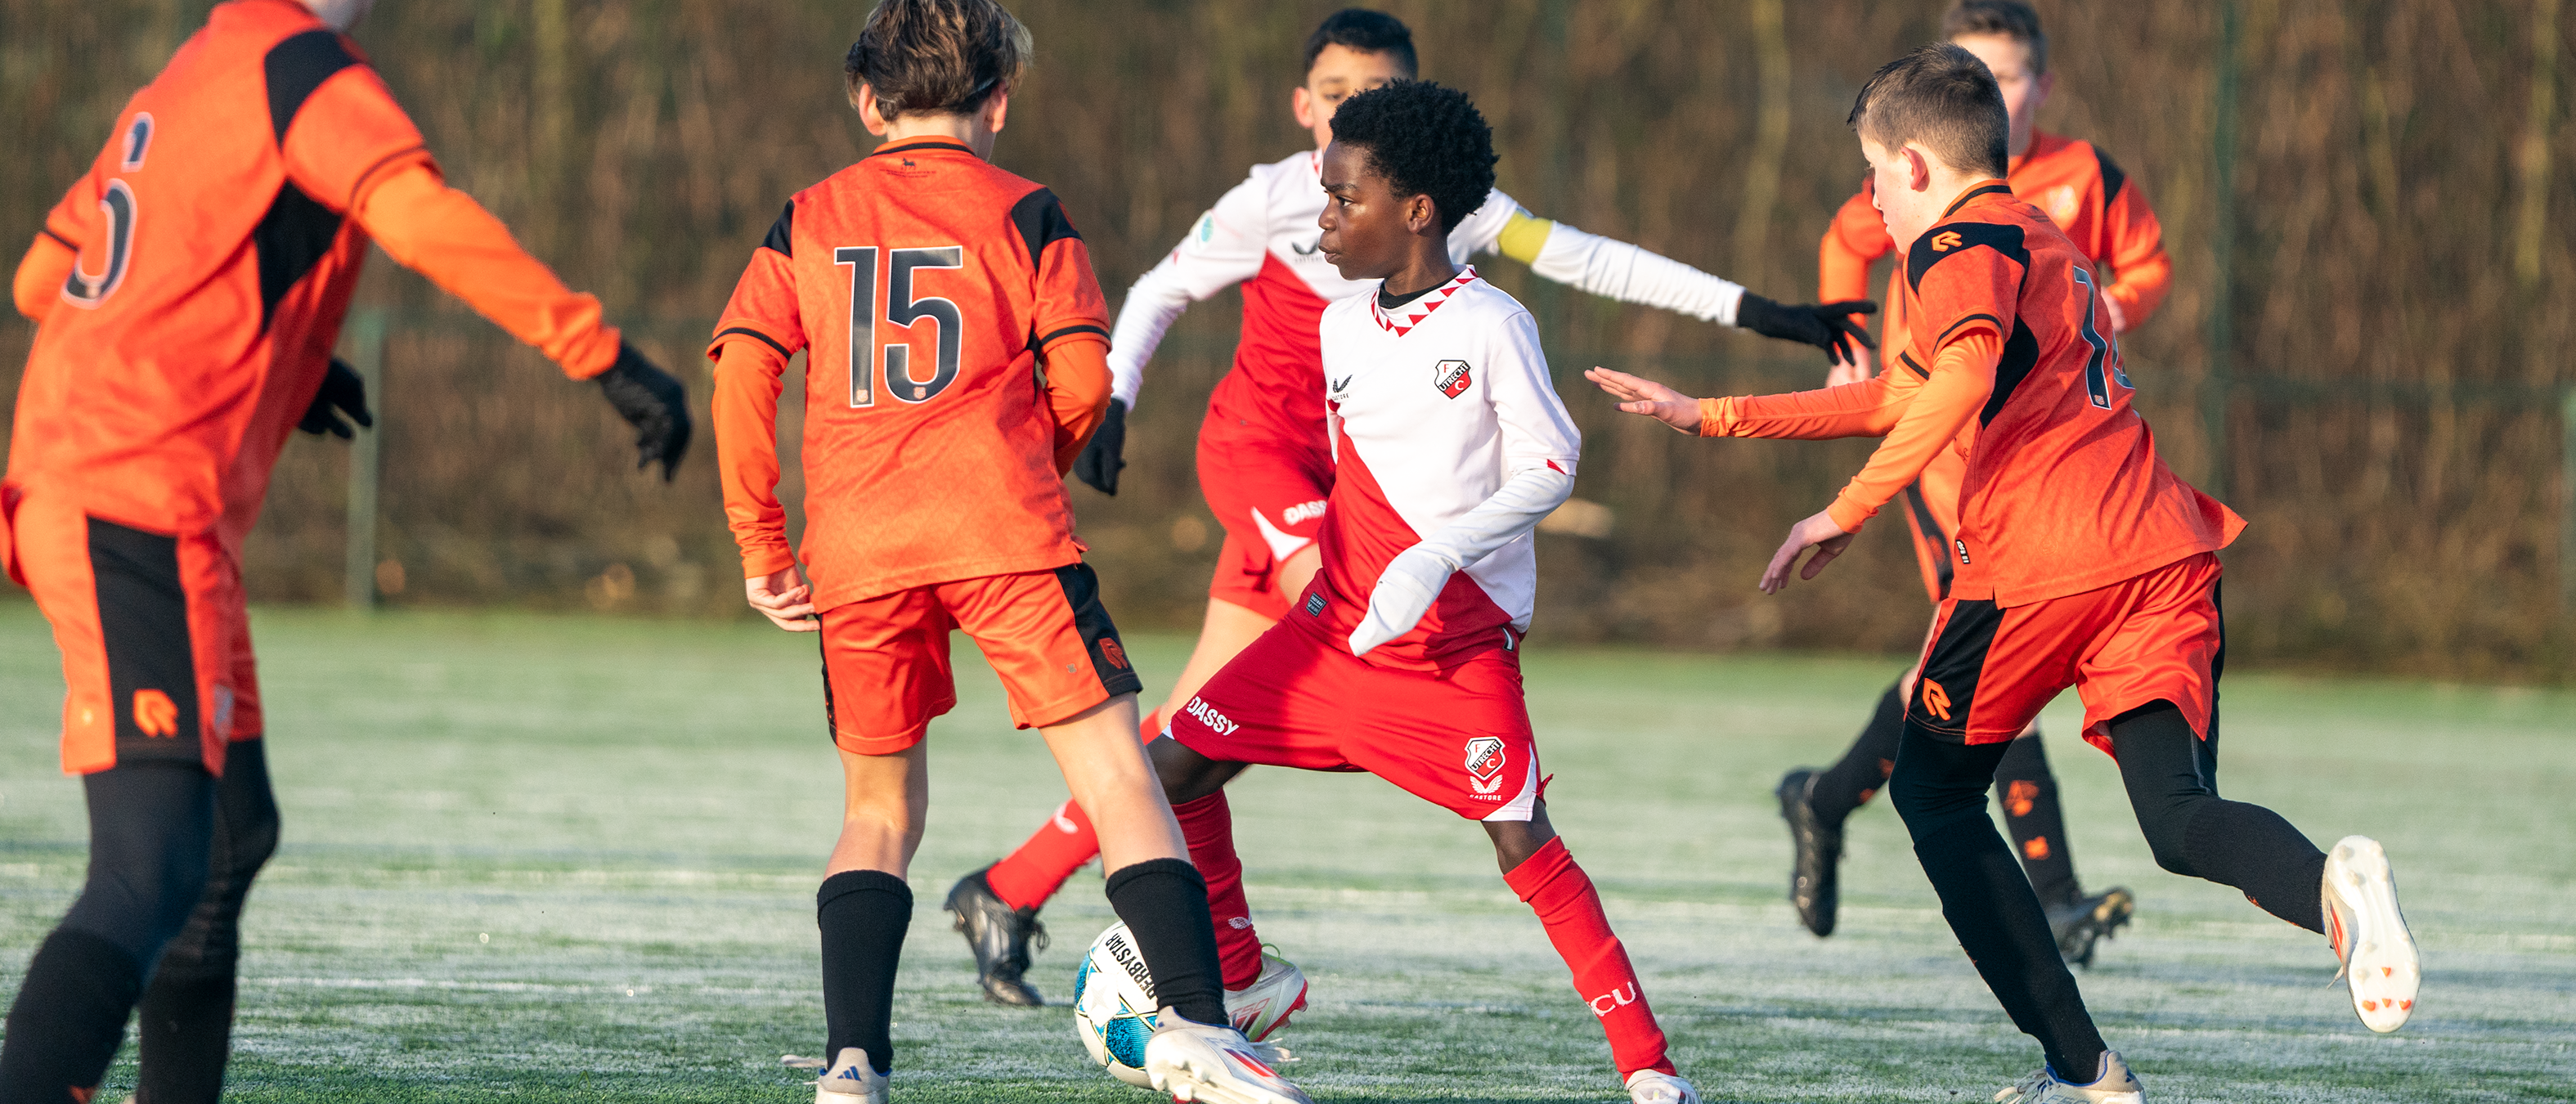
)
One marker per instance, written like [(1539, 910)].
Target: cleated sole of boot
[(2384, 971)]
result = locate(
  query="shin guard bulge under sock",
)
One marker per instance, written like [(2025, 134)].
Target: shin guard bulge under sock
[(68, 1019), (2028, 789), (1025, 878), (1567, 904), (1208, 825), (1857, 776), (1164, 904), (863, 915)]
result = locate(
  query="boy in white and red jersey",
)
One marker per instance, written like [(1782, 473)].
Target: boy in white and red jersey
[(1263, 462), (1401, 658)]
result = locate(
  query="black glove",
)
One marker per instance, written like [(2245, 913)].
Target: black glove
[(1822, 325), (341, 390), (654, 403), (1106, 454)]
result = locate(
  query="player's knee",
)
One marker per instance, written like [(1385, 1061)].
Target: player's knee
[(1185, 774), (2168, 830), (1928, 795)]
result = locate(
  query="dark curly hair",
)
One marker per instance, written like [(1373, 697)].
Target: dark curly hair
[(1425, 140)]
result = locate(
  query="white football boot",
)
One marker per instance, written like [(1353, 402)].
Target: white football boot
[(1657, 1087), (1262, 1007), (2378, 955), (851, 1080), (2116, 1085), (1217, 1065)]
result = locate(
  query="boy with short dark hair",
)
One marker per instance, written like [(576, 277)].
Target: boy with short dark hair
[(2081, 560), (1402, 656), (2102, 210)]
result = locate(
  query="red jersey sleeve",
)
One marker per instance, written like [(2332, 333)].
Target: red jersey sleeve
[(764, 305), (337, 126), (1856, 237), (2141, 272)]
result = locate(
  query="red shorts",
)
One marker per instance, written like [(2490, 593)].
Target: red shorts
[(154, 636), (1269, 497), (1988, 671), (885, 659), (1458, 738)]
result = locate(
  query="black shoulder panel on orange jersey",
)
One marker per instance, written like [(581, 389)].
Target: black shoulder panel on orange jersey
[(295, 68), (2112, 177), (1041, 220), (290, 239), (779, 232), (2021, 354), (1950, 239)]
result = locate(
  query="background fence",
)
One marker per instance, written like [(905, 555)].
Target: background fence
[(2367, 204)]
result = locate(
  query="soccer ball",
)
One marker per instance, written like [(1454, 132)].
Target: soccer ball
[(1114, 1006)]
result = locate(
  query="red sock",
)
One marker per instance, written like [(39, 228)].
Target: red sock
[(1027, 877), (1562, 895), (1209, 826)]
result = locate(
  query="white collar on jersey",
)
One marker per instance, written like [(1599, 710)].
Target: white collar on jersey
[(1411, 314)]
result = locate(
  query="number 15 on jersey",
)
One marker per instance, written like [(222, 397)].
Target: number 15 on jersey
[(902, 310)]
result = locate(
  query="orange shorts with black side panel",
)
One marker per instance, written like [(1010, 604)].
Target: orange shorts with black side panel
[(155, 638), (886, 670), (1988, 671)]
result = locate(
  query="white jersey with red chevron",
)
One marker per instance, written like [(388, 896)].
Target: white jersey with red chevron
[(1262, 235), (1434, 405)]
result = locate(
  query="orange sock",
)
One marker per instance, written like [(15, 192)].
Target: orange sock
[(1562, 895)]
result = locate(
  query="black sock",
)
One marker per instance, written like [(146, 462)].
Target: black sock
[(2029, 792), (2172, 775), (1164, 901), (863, 914), (68, 1019), (1940, 790), (186, 1028), (1863, 768)]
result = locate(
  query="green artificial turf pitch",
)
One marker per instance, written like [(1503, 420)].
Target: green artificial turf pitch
[(557, 858)]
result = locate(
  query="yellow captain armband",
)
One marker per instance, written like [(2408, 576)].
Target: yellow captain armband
[(1524, 234)]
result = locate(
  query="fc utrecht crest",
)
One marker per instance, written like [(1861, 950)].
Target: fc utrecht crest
[(1485, 764), (1451, 377)]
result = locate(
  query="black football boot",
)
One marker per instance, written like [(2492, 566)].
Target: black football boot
[(2084, 921), (1814, 882), (1000, 936)]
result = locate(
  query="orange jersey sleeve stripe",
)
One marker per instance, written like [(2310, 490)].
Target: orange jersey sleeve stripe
[(748, 383), (1962, 377), (443, 234)]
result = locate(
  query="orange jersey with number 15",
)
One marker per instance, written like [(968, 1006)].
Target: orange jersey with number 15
[(934, 295)]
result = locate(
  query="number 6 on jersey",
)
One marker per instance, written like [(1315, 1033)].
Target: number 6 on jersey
[(901, 310)]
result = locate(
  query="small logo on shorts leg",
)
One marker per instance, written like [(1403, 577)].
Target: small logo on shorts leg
[(1314, 605), (1109, 650), (155, 714), (1485, 762), (1936, 699)]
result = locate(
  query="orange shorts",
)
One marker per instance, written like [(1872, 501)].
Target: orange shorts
[(885, 659), (1987, 671), (154, 636)]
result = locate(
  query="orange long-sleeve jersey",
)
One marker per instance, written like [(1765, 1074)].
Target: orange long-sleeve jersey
[(2062, 491), (957, 360), (2095, 204), (190, 287)]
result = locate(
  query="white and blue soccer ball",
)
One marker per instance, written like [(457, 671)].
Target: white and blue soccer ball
[(1114, 1006)]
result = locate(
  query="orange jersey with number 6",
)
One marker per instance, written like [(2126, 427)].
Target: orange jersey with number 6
[(955, 339)]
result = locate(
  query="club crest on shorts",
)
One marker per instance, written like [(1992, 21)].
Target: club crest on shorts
[(1452, 377), (1485, 762), (1110, 650)]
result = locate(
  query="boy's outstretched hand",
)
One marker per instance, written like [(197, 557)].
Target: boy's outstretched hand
[(1639, 395), (783, 598), (1820, 533)]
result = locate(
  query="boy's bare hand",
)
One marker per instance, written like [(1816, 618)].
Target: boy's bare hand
[(783, 598), (1818, 532), (1638, 395)]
